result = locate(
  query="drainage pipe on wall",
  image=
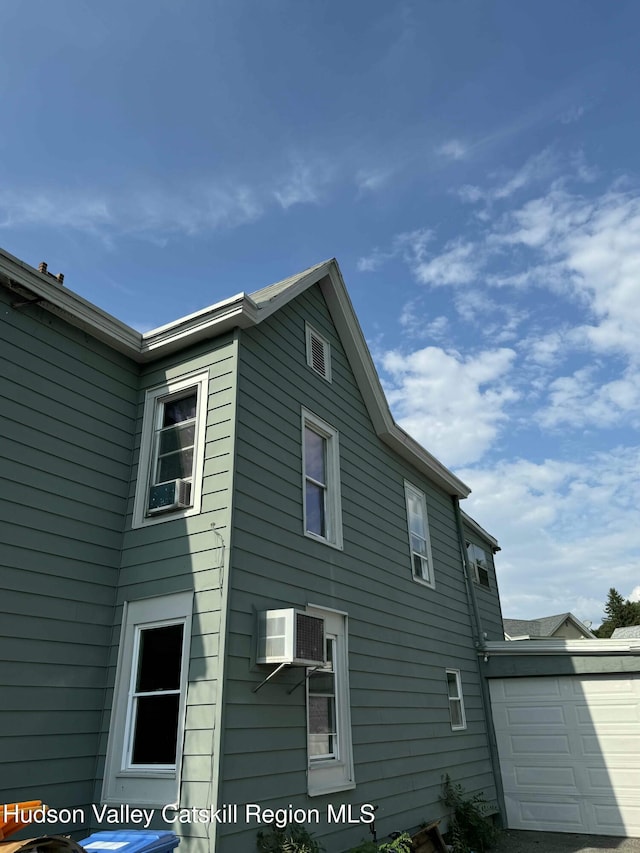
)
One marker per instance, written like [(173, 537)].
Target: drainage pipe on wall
[(480, 644)]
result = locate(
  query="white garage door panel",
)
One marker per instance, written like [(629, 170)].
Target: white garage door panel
[(553, 815), (570, 752)]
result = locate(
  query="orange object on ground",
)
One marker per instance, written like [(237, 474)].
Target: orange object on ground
[(12, 814)]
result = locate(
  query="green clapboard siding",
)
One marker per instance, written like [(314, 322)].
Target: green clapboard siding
[(187, 554), (67, 405), (402, 635)]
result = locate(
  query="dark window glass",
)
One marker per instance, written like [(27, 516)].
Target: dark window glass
[(160, 659), (183, 409), (156, 729)]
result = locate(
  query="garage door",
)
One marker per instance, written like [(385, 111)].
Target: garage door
[(570, 752)]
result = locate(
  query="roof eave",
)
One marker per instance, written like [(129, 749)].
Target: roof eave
[(240, 311), (353, 341), (69, 306), (559, 647)]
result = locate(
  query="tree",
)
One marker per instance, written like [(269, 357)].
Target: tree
[(619, 613)]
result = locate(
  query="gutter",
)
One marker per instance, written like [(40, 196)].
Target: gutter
[(481, 645), (562, 647)]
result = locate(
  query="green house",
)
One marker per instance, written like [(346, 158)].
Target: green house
[(233, 590)]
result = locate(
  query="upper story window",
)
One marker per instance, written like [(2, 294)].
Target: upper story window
[(456, 702), (171, 451), (318, 353), (321, 480), (479, 564), (329, 746), (419, 542)]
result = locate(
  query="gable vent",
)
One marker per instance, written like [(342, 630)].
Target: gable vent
[(318, 354)]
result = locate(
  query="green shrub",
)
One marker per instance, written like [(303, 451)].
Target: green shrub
[(291, 839), (401, 844), (469, 827)]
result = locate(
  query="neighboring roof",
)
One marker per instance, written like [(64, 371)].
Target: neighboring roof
[(630, 632), (543, 627), (241, 311)]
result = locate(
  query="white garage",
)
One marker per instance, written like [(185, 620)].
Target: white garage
[(569, 751)]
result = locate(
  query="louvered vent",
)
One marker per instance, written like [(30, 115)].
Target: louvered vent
[(290, 636), (318, 354)]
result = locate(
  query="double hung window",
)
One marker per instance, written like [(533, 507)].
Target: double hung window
[(147, 716), (171, 451), (154, 698), (321, 480), (456, 702), (329, 749), (323, 734), (419, 543)]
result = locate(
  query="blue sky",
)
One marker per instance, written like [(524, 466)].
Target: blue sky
[(472, 165)]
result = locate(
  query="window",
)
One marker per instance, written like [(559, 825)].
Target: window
[(147, 717), (321, 481), (419, 544), (171, 451), (480, 564), (456, 703), (329, 749), (318, 353), (154, 695)]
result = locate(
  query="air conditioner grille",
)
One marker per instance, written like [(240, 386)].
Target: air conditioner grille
[(309, 637)]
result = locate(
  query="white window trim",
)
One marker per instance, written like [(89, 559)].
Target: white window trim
[(474, 563), (124, 783), (333, 507), (326, 347), (409, 488), (459, 698), (336, 773), (153, 398)]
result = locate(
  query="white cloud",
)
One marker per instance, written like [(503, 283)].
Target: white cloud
[(574, 113), (372, 262), (304, 185), (584, 399), (154, 212), (452, 405), (415, 322), (538, 168), (410, 246), (459, 263), (453, 150), (371, 180), (563, 526)]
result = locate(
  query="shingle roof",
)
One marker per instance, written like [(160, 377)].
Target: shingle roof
[(631, 632), (543, 627)]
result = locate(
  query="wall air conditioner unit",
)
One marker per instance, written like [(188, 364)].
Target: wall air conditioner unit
[(176, 494), (290, 636)]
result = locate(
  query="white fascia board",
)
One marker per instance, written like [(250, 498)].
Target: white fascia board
[(473, 524), (353, 341), (239, 310), (561, 647), (69, 306)]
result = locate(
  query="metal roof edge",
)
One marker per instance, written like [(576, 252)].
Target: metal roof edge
[(560, 647)]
